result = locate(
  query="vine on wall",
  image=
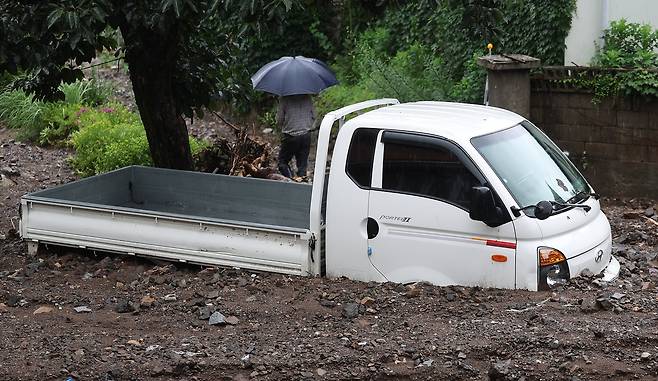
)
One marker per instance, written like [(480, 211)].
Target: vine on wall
[(630, 52)]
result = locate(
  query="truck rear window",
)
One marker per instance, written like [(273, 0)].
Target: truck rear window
[(360, 156)]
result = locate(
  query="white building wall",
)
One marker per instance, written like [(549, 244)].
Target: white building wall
[(593, 16)]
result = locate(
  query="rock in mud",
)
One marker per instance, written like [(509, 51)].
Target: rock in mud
[(170, 298), (351, 310), (589, 305), (42, 310), (217, 318), (124, 306), (205, 312), (148, 301), (14, 300), (412, 292), (9, 171), (327, 303), (605, 303), (617, 296), (6, 182), (232, 320), (500, 370), (367, 301)]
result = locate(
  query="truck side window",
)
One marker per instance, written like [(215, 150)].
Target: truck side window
[(427, 171), (360, 156)]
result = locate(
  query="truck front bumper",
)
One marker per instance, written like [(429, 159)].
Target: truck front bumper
[(611, 271)]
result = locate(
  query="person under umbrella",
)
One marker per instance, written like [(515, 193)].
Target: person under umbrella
[(295, 118), (294, 80)]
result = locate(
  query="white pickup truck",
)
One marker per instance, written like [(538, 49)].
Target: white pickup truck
[(448, 193)]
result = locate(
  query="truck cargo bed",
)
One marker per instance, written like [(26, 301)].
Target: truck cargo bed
[(191, 194), (189, 216)]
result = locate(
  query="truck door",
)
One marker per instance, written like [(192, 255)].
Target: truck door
[(347, 205), (418, 216)]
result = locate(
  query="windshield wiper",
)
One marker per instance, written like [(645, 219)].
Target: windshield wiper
[(585, 194), (545, 209), (567, 205)]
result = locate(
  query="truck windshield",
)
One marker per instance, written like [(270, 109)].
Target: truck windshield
[(531, 166)]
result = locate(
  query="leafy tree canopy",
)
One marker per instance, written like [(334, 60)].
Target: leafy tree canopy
[(51, 39), (178, 52)]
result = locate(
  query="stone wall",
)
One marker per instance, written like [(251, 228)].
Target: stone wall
[(614, 143)]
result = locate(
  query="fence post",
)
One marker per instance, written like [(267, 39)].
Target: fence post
[(508, 77)]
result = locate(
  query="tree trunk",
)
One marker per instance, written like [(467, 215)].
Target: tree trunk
[(151, 65)]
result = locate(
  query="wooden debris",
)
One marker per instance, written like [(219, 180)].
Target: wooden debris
[(650, 220)]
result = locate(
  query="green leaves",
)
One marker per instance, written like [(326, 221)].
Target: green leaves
[(99, 14), (54, 16), (536, 28), (107, 138), (628, 45), (20, 110), (173, 4), (629, 51), (73, 20), (44, 37)]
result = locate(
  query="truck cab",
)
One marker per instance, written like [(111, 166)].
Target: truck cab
[(458, 194)]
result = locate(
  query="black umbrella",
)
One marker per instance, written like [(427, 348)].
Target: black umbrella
[(294, 75)]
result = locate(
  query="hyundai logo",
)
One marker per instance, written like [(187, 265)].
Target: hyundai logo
[(598, 257)]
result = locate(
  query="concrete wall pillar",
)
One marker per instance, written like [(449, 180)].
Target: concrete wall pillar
[(508, 77)]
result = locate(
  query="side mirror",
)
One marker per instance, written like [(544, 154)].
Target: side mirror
[(543, 210), (483, 206)]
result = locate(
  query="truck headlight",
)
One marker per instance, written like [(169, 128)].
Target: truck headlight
[(553, 268)]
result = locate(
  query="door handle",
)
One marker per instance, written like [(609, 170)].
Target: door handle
[(372, 228)]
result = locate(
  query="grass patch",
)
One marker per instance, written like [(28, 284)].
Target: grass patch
[(87, 91)]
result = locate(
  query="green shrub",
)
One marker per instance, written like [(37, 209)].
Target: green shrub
[(340, 96), (412, 74), (87, 91), (535, 28), (103, 146), (371, 45), (19, 110), (196, 146), (110, 137), (470, 88), (626, 46), (61, 120), (6, 79), (106, 138), (427, 49), (268, 118)]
